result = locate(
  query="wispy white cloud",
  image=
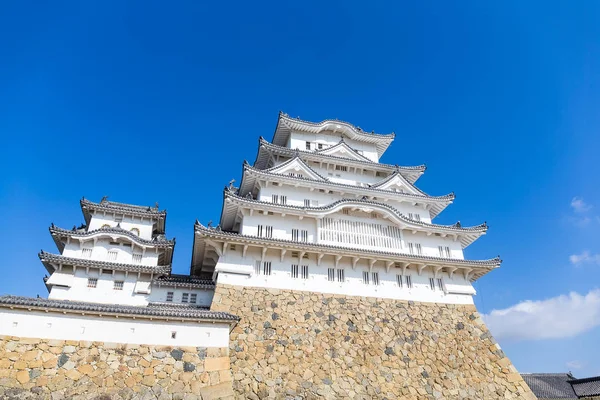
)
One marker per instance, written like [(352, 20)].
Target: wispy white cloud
[(557, 317), (585, 257), (575, 364), (580, 206)]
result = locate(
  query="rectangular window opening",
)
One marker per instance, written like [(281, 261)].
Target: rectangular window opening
[(92, 282), (304, 272), (193, 298), (118, 285), (170, 296), (295, 271), (184, 297)]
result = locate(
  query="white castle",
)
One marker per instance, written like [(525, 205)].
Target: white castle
[(317, 214), (317, 211)]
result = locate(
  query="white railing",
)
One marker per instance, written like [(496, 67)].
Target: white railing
[(362, 234)]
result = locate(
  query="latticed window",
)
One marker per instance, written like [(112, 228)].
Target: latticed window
[(294, 271), (92, 282), (440, 283), (136, 258), (112, 255), (399, 280), (304, 236), (295, 235), (375, 278), (365, 277), (118, 285), (275, 198), (267, 268), (265, 231), (306, 203), (408, 280), (193, 298), (304, 272), (170, 296), (418, 248), (86, 253), (340, 275), (185, 297), (307, 145), (431, 284), (331, 274)]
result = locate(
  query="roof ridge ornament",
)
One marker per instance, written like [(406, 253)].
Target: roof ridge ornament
[(231, 187), (104, 200)]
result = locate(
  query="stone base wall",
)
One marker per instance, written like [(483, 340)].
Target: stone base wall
[(292, 344), (58, 369)]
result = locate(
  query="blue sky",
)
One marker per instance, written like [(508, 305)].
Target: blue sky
[(146, 102)]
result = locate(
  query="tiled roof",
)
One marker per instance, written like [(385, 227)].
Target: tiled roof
[(159, 240), (49, 258), (113, 206), (586, 387), (410, 170), (184, 280), (366, 189), (443, 228), (287, 124), (157, 311), (550, 386)]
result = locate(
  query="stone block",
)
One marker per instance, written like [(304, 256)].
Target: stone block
[(216, 364)]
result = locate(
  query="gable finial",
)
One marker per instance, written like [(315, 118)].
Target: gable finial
[(156, 204), (104, 199), (231, 182)]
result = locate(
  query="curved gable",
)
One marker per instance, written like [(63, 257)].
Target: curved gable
[(396, 182), (342, 150), (298, 168)]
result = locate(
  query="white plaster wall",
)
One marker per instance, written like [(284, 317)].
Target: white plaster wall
[(110, 329), (104, 292), (282, 229), (280, 278), (282, 226), (159, 295), (144, 225), (298, 140), (102, 247)]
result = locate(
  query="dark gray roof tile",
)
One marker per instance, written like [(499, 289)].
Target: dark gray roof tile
[(158, 311)]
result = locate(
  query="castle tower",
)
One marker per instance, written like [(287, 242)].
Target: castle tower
[(118, 252), (345, 286)]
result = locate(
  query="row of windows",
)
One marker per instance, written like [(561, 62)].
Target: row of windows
[(321, 146), (111, 255), (333, 274), (191, 298), (93, 283)]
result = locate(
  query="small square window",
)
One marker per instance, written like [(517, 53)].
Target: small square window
[(307, 145), (92, 282), (173, 335), (118, 285)]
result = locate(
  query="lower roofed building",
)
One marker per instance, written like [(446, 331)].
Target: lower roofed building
[(563, 386), (116, 321)]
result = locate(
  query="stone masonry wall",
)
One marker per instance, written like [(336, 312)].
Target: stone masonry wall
[(58, 369), (292, 344)]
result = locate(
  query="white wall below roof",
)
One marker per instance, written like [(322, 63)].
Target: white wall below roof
[(298, 140), (102, 246), (144, 225), (282, 229), (52, 325), (280, 278), (104, 292)]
